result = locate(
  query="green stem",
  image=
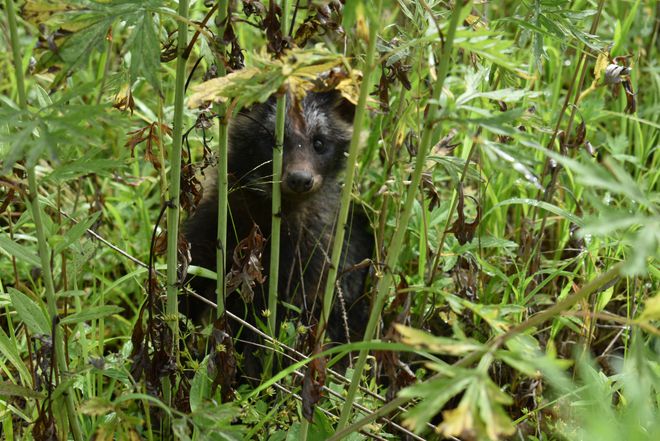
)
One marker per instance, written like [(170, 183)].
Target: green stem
[(277, 201), (276, 214), (386, 281), (175, 184), (223, 182), (104, 69), (44, 253), (16, 53)]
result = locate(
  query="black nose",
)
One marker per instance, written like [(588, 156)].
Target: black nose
[(300, 181)]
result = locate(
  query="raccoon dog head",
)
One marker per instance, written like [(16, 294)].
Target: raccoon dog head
[(316, 137)]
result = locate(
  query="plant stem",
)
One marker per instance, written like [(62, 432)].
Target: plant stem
[(276, 201), (44, 253), (223, 183), (175, 184), (276, 213), (16, 53), (386, 281)]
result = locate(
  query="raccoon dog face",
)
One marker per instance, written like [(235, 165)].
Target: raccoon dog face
[(316, 138)]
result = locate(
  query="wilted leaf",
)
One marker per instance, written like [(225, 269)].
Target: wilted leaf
[(439, 345), (480, 413), (96, 407), (297, 70), (152, 134), (313, 386), (222, 363), (324, 18), (458, 422), (246, 266), (191, 189), (44, 428), (124, 100), (277, 43), (464, 231)]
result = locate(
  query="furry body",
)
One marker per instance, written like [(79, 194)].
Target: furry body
[(316, 139)]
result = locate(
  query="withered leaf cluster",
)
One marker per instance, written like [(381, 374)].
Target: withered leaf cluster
[(323, 19), (222, 363), (393, 68), (398, 373), (462, 229), (246, 268), (152, 350), (151, 135), (313, 383)]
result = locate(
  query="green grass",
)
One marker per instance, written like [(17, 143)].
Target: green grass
[(518, 281)]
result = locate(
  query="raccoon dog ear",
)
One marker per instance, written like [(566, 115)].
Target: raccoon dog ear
[(344, 108)]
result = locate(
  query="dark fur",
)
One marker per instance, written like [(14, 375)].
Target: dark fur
[(308, 218)]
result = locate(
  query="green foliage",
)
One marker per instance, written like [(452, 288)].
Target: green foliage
[(538, 181)]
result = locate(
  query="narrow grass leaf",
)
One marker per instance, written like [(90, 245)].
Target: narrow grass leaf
[(91, 314), (9, 349), (30, 312), (14, 390), (75, 233), (20, 252), (540, 204)]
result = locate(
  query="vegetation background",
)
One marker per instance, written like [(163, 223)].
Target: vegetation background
[(508, 163)]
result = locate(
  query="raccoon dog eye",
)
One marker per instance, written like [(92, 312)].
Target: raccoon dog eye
[(319, 146)]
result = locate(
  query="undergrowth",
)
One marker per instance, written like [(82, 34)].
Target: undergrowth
[(505, 154)]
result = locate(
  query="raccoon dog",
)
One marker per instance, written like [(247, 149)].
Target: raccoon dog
[(317, 135)]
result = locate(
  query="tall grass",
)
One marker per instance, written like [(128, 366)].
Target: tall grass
[(511, 190), (57, 339), (174, 190), (223, 176), (386, 281)]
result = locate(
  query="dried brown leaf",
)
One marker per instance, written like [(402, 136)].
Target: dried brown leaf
[(313, 386), (246, 268), (463, 230)]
